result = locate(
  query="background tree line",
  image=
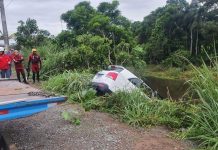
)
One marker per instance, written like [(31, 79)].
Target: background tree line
[(96, 37)]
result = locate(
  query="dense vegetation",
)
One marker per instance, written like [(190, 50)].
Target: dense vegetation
[(98, 37)]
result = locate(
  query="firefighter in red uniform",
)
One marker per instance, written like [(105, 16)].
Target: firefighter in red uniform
[(4, 64), (36, 64), (18, 59)]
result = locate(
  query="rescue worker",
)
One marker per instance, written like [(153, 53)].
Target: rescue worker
[(36, 64), (10, 54), (4, 63), (18, 62)]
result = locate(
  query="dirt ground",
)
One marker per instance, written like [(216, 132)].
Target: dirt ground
[(97, 131)]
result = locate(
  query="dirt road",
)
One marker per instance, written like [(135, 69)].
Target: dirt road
[(97, 131)]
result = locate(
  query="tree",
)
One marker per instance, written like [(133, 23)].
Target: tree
[(109, 9), (162, 31), (66, 39), (99, 25), (178, 26), (29, 35), (210, 4), (93, 50), (210, 34), (78, 18)]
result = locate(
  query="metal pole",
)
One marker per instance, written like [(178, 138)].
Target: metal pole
[(4, 25)]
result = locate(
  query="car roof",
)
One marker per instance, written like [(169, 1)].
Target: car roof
[(125, 73), (116, 66)]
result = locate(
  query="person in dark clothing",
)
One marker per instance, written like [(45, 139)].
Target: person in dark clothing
[(36, 64), (18, 59)]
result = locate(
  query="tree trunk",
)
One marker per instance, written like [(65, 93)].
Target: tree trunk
[(109, 57), (191, 45), (114, 48), (196, 44), (214, 47)]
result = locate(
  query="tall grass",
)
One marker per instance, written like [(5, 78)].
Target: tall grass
[(135, 109), (205, 126), (69, 83)]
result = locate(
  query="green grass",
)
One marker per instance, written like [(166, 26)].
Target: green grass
[(205, 126), (135, 109), (163, 72), (69, 83)]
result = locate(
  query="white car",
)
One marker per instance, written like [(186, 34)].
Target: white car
[(117, 78)]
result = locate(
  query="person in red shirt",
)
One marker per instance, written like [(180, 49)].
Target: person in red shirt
[(36, 64), (18, 59), (4, 63)]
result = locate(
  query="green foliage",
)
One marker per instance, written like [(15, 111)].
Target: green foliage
[(178, 59), (110, 10), (29, 35), (66, 39), (92, 52), (179, 26), (204, 130), (78, 18), (69, 83), (89, 100), (135, 109), (176, 28), (69, 117)]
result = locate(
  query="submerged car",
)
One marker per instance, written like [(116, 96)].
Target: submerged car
[(117, 78)]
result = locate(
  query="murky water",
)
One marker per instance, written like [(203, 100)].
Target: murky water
[(167, 88)]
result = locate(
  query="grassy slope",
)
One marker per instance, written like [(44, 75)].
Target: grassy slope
[(168, 73)]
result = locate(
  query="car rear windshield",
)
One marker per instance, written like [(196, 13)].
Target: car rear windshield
[(115, 68)]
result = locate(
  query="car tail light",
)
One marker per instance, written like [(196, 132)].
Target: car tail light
[(3, 112), (101, 85), (112, 75)]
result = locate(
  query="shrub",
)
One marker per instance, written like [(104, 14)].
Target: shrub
[(176, 59)]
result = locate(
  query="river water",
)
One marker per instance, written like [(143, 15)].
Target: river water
[(167, 88)]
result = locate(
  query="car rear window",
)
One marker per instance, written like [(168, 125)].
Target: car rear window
[(115, 68)]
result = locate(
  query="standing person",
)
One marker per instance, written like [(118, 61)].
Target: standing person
[(4, 63), (10, 53), (36, 64), (18, 59)]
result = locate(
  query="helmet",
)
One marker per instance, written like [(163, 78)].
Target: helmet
[(2, 49), (34, 50)]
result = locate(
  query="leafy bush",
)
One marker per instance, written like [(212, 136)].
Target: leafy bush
[(176, 59), (89, 100)]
